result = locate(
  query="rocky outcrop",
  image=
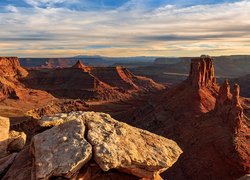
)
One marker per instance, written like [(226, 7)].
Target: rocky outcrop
[(60, 151), (90, 83), (10, 141), (207, 122), (119, 146), (228, 106), (224, 96), (11, 73), (71, 83), (10, 66), (80, 65), (202, 72), (21, 167), (5, 163), (4, 135), (17, 141), (121, 78), (115, 146), (58, 106)]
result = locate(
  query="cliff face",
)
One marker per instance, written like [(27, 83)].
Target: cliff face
[(202, 72), (228, 106), (10, 71), (10, 66), (90, 83), (206, 120), (14, 91)]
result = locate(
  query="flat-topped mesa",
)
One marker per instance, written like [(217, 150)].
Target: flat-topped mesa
[(202, 72), (80, 65), (228, 106)]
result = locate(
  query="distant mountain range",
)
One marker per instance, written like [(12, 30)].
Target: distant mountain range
[(89, 60)]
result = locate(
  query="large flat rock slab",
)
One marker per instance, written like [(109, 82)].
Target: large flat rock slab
[(60, 151), (119, 146)]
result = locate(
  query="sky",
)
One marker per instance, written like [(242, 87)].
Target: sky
[(122, 28)]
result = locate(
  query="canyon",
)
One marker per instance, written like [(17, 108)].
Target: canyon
[(207, 122)]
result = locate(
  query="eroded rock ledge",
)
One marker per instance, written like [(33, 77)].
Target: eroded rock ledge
[(78, 137)]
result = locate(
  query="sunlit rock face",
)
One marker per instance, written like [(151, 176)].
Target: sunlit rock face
[(77, 137)]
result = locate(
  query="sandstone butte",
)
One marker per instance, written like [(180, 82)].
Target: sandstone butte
[(24, 89), (208, 121), (76, 144), (90, 83)]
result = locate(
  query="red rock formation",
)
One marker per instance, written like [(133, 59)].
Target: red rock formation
[(12, 90), (80, 65), (123, 79), (229, 108), (202, 72), (90, 83), (10, 71), (207, 122), (10, 66)]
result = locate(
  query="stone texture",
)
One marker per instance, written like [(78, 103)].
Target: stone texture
[(202, 72), (17, 141), (4, 135), (122, 147), (60, 151), (60, 118), (5, 163), (94, 172), (10, 66), (224, 95), (119, 146), (228, 106), (21, 167)]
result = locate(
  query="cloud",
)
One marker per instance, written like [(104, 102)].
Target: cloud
[(46, 3), (11, 9), (135, 28)]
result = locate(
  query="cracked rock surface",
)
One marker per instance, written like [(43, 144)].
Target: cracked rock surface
[(63, 150), (60, 151)]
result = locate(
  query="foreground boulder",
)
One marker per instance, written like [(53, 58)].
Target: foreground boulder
[(5, 163), (119, 146), (17, 141), (62, 150), (4, 135), (21, 167), (10, 141)]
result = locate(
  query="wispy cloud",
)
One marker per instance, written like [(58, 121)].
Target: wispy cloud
[(11, 9), (136, 27)]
